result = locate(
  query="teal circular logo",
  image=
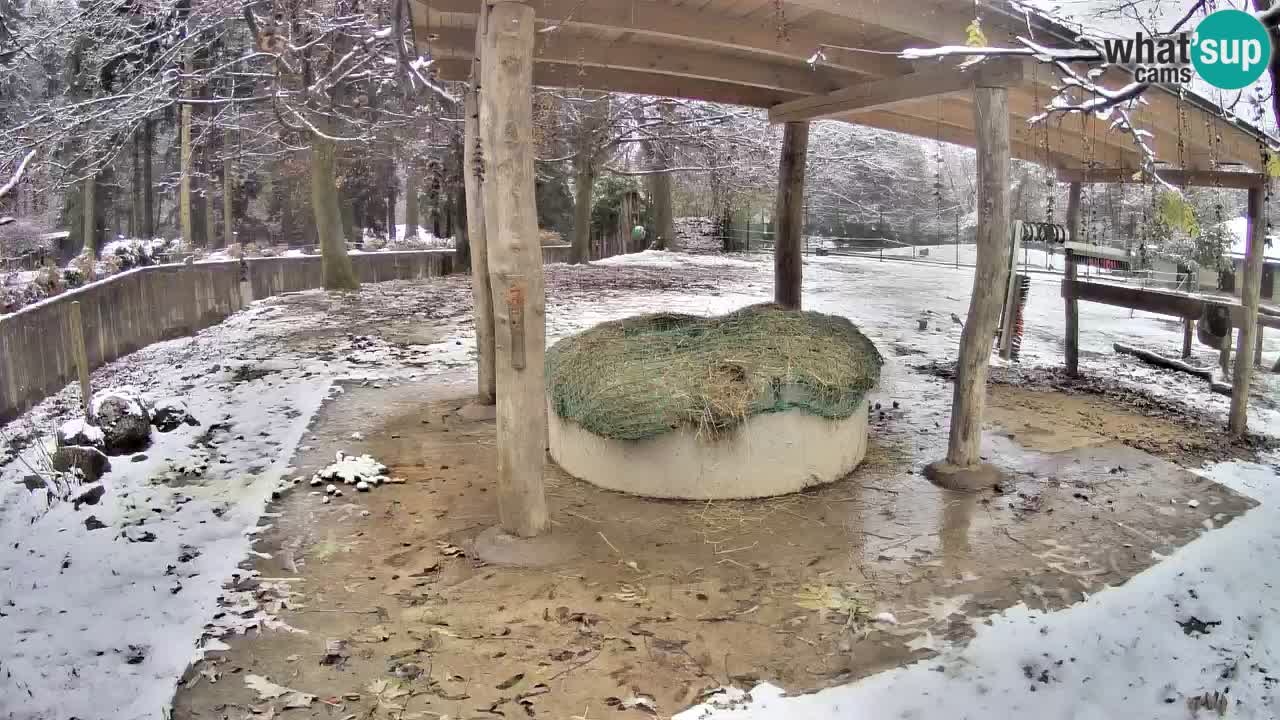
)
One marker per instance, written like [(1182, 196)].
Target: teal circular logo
[(1231, 49)]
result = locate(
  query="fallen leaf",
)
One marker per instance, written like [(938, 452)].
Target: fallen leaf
[(268, 690)]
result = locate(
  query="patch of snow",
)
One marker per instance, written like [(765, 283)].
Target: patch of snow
[(666, 258), (352, 469), (78, 427)]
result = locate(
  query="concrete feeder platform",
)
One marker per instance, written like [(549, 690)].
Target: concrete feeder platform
[(768, 454)]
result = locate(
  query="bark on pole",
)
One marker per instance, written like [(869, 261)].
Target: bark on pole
[(991, 120), (788, 216), (1069, 277), (515, 265), (1249, 291), (481, 290)]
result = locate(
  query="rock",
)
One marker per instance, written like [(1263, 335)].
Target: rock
[(362, 486), (89, 496), (330, 489), (90, 461), (78, 432), (92, 523), (124, 419), (169, 414), (138, 458)]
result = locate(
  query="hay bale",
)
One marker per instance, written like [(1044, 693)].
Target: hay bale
[(647, 375)]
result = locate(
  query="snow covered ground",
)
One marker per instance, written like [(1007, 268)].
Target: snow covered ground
[(99, 619)]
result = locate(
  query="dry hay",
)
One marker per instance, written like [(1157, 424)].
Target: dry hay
[(643, 376)]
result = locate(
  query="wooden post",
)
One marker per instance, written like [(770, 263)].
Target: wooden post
[(963, 467), (515, 264), (480, 288), (1257, 348), (788, 216), (1249, 292), (76, 325), (1068, 283), (1188, 327)]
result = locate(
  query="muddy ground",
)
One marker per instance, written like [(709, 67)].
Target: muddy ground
[(652, 604)]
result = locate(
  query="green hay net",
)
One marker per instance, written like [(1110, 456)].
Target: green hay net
[(647, 375)]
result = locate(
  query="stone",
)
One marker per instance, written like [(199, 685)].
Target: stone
[(89, 496), (92, 523), (169, 414), (124, 419), (90, 461)]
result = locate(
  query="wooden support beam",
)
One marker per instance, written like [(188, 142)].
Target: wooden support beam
[(878, 94), (1249, 291), (1181, 178), (991, 119), (564, 48), (1136, 298), (640, 83), (75, 323), (1188, 331), (481, 291), (788, 217), (1068, 283), (515, 265), (665, 20)]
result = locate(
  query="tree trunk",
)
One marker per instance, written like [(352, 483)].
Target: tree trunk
[(410, 203), (210, 215), (148, 189), (664, 226), (90, 216), (788, 270), (337, 269), (184, 181), (135, 195), (228, 196), (1249, 291), (481, 289), (515, 259), (991, 118), (584, 180)]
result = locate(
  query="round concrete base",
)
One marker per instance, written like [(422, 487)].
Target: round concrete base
[(496, 547), (965, 478), (769, 454)]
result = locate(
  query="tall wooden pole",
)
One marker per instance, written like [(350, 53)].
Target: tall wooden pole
[(1249, 292), (473, 170), (788, 216), (515, 264), (1068, 282), (963, 467)]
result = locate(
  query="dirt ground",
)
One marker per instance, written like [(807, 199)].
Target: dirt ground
[(655, 603)]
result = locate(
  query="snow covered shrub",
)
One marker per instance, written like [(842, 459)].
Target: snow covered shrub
[(85, 265)]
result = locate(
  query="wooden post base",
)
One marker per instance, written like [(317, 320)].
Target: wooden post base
[(963, 478)]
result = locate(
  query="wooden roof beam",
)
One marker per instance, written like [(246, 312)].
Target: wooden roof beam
[(579, 51), (1182, 178), (879, 94), (628, 81), (661, 19)]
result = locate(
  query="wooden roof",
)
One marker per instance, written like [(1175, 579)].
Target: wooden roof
[(755, 52)]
